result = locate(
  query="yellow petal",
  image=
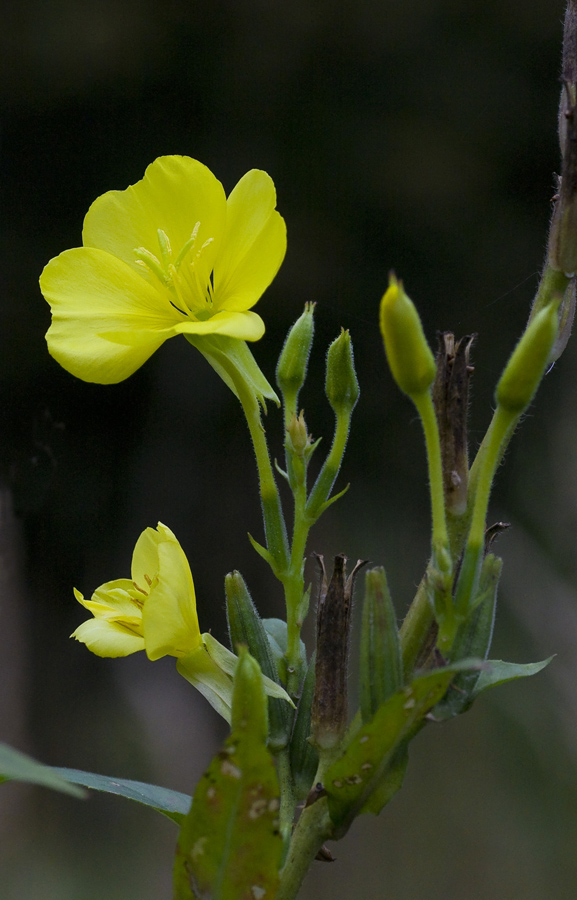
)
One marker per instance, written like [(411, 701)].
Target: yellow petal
[(107, 638), (169, 619), (245, 326), (254, 244), (175, 193), (145, 558), (106, 319)]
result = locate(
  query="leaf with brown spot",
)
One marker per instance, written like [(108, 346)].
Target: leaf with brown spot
[(229, 847)]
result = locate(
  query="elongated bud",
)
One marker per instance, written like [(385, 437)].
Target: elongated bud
[(527, 364), (381, 660), (249, 703), (341, 384), (303, 756), (246, 628), (292, 364), (329, 709), (409, 356)]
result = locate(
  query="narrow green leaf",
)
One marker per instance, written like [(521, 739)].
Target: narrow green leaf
[(304, 759), (172, 804), (17, 766), (391, 782), (230, 846), (499, 672), (352, 779)]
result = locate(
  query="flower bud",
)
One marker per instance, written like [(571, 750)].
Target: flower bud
[(381, 662), (292, 364), (526, 366), (249, 706), (341, 384), (246, 628), (410, 358), (297, 435)]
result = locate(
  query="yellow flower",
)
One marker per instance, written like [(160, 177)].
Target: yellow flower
[(155, 610), (169, 255)]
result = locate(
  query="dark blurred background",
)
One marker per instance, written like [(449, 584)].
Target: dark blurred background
[(417, 135)]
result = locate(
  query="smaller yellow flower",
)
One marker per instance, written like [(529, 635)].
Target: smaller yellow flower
[(169, 255), (155, 610)]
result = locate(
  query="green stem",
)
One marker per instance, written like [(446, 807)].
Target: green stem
[(287, 798), (440, 537), (330, 469), (497, 437), (312, 830), (274, 524)]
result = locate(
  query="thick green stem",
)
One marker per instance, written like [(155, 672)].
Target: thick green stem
[(287, 798), (312, 830)]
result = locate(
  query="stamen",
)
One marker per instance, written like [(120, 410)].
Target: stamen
[(145, 258), (165, 248), (186, 247), (139, 589)]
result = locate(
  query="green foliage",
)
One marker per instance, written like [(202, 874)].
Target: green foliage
[(229, 847)]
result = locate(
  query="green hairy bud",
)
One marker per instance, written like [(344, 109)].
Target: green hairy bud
[(246, 628), (381, 663), (249, 703), (409, 356), (292, 364), (526, 366), (341, 384)]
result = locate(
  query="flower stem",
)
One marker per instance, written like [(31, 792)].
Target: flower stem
[(274, 524), (440, 537), (312, 829), (497, 437), (287, 798)]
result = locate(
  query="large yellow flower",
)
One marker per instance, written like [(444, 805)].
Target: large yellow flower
[(169, 255), (155, 610)]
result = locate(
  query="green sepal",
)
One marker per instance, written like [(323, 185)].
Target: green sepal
[(498, 672), (245, 627), (381, 666), (276, 630), (304, 758), (351, 780), (230, 846), (232, 359)]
